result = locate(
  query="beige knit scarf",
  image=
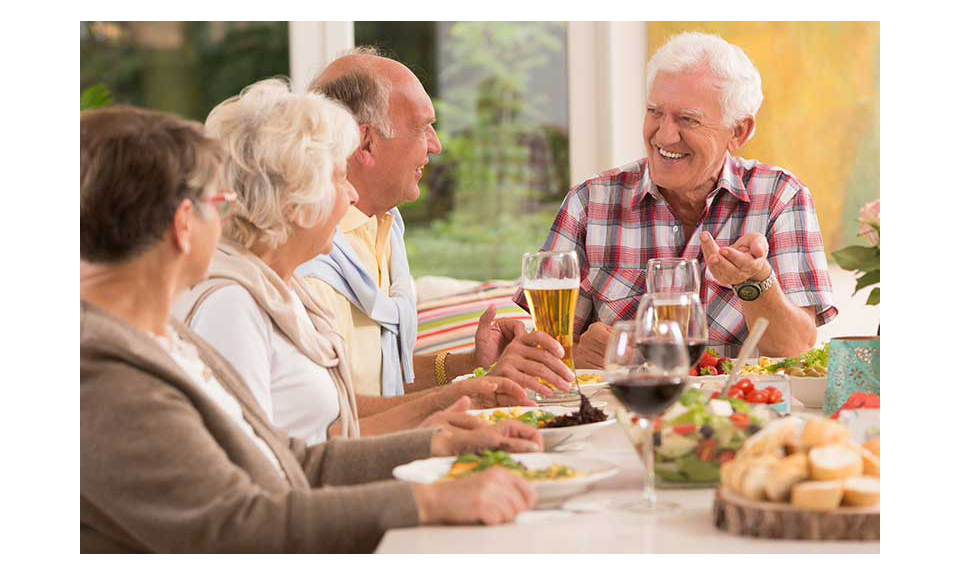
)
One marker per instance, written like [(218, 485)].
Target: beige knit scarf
[(319, 341)]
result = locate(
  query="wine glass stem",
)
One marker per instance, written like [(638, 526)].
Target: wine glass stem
[(647, 458)]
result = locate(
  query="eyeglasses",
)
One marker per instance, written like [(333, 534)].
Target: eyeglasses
[(223, 203)]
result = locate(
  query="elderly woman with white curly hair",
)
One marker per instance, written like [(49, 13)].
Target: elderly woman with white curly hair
[(752, 226), (286, 158)]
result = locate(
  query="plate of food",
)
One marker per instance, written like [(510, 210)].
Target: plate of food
[(559, 425), (588, 380), (553, 476), (807, 372)]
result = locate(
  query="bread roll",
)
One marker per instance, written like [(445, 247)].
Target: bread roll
[(834, 462), (861, 491), (821, 496), (823, 431), (784, 474), (871, 463), (772, 438), (873, 445), (754, 478)]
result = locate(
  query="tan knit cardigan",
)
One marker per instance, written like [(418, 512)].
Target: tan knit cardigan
[(164, 469)]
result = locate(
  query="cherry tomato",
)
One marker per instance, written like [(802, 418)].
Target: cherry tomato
[(725, 456), (758, 397), (684, 428), (774, 395), (735, 393), (715, 394), (706, 449), (744, 384), (694, 371), (740, 420)]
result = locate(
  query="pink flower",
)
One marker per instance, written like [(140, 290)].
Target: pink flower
[(870, 222)]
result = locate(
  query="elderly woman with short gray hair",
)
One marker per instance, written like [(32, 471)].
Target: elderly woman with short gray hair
[(281, 151)]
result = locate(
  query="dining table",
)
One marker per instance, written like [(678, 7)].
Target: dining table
[(608, 529)]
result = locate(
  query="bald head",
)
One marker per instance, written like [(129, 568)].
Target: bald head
[(396, 120), (369, 85)]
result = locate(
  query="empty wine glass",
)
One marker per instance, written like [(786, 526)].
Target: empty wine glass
[(673, 275)]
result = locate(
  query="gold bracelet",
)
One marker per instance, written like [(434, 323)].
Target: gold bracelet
[(439, 368)]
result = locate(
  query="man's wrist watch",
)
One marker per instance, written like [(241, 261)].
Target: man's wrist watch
[(750, 290)]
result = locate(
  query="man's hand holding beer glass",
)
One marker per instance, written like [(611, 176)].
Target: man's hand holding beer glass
[(521, 356), (551, 284)]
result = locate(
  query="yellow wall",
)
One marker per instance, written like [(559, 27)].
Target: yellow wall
[(820, 112)]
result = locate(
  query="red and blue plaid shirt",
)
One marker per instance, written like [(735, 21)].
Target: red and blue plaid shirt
[(618, 220)]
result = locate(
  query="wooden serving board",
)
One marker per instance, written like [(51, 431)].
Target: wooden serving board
[(738, 515)]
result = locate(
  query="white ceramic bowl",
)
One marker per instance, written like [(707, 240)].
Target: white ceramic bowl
[(555, 437), (432, 469), (808, 390)]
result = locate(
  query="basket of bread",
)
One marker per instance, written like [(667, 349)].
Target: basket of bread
[(802, 479)]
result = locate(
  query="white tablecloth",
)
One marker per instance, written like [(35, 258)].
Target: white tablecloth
[(551, 531)]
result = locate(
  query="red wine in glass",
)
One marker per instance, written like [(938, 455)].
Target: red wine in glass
[(647, 395)]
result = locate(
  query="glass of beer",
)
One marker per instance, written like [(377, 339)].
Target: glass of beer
[(683, 308), (551, 284), (673, 275)]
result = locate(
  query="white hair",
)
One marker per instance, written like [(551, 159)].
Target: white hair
[(737, 77), (281, 152)]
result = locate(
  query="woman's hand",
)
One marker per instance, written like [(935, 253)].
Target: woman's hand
[(487, 392), (509, 435), (455, 417), (493, 496)]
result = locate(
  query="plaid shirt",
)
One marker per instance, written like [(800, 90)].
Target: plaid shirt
[(618, 220)]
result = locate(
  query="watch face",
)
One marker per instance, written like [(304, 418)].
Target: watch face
[(748, 292)]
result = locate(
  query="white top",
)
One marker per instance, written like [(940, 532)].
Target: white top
[(185, 354), (297, 394)]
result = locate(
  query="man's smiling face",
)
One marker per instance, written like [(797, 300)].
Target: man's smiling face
[(684, 133)]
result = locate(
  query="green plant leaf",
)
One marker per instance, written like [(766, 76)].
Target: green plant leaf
[(863, 258), (874, 297), (868, 279), (95, 96)]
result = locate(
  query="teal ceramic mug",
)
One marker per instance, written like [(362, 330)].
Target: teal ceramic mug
[(853, 366)]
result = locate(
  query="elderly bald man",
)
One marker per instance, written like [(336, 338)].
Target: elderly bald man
[(752, 226), (366, 278)]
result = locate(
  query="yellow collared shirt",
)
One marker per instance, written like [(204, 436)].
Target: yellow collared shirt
[(370, 239)]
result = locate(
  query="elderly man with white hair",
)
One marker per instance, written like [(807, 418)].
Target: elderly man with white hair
[(752, 226)]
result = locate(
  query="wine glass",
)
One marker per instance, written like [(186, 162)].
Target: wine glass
[(551, 285), (683, 308), (647, 371), (673, 275)]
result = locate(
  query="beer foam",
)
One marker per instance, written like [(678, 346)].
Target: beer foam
[(551, 284)]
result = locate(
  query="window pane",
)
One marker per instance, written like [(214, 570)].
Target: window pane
[(500, 91), (182, 67)]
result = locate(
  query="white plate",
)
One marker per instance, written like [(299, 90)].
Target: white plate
[(553, 438), (430, 470), (583, 387)]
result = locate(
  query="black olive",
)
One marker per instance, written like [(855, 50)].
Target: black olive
[(706, 431), (656, 438), (753, 429)]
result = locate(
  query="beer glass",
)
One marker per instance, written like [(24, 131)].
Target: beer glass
[(673, 275), (551, 284), (685, 309)]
